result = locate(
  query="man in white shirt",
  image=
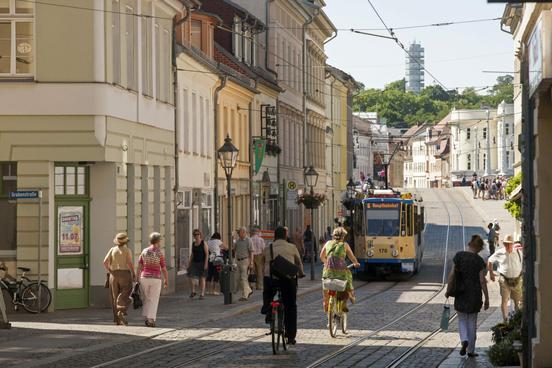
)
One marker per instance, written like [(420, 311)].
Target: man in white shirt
[(258, 248), (510, 263)]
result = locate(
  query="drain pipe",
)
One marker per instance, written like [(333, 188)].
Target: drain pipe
[(223, 79), (176, 116), (304, 40)]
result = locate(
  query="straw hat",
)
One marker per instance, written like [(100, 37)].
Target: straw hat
[(120, 239), (508, 239)]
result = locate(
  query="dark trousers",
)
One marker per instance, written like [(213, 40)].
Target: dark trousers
[(288, 289), (491, 247)]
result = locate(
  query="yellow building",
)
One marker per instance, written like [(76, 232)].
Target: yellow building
[(87, 118)]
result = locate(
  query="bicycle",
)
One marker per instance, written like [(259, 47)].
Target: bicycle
[(24, 292), (337, 315), (277, 327)]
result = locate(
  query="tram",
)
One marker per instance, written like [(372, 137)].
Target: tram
[(387, 228)]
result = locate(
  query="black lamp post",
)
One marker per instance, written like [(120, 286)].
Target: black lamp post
[(351, 188), (228, 156), (311, 178)]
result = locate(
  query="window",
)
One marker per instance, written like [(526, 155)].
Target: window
[(8, 209), (195, 123), (157, 62), (147, 83), (247, 47), (507, 158), (185, 121), (469, 161), (237, 38), (484, 161), (166, 61), (196, 34), (16, 38), (70, 180), (254, 50), (116, 41), (468, 134), (484, 133), (507, 129), (130, 42)]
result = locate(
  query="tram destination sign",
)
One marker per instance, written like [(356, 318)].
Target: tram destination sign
[(25, 194)]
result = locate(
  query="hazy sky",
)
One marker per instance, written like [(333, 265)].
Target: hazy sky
[(454, 54)]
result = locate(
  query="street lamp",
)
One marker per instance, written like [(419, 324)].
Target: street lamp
[(311, 178), (228, 156), (351, 188)]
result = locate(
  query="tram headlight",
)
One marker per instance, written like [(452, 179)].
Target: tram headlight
[(370, 253), (395, 253)]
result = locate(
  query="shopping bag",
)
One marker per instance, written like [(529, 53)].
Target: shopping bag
[(136, 299), (445, 316)]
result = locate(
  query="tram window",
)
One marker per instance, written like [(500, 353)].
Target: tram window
[(382, 222), (409, 222)]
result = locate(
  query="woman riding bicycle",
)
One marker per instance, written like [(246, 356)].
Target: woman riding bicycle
[(333, 255)]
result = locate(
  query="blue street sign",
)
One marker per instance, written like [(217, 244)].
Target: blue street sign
[(24, 194)]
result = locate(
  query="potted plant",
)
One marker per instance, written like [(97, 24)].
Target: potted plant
[(311, 200), (506, 337)]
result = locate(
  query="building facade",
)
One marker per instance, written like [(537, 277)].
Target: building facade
[(93, 129)]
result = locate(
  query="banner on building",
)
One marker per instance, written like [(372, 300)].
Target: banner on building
[(259, 149), (70, 233)]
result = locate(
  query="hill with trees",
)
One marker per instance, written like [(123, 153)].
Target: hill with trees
[(402, 109)]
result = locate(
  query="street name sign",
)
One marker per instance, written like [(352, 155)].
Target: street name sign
[(25, 194)]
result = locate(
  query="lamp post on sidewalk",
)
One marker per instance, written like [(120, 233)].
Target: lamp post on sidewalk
[(228, 156), (311, 178)]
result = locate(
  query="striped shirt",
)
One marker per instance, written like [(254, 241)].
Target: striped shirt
[(152, 261)]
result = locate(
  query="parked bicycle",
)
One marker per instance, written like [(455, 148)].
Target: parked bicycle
[(25, 292), (277, 327)]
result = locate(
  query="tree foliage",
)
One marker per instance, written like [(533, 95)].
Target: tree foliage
[(401, 108)]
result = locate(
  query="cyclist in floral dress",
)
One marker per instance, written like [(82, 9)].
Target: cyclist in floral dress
[(333, 256)]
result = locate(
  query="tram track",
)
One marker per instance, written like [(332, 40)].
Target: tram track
[(404, 356), (228, 345)]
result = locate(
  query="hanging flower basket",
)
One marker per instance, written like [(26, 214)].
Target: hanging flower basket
[(311, 200)]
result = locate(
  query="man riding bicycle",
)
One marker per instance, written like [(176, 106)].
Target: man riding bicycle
[(288, 288)]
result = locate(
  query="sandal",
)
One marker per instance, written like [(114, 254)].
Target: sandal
[(192, 295), (201, 297), (150, 323)]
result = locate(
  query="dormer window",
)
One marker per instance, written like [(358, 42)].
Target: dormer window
[(237, 32), (196, 34)]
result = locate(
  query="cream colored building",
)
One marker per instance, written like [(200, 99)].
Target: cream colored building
[(531, 28), (87, 117)]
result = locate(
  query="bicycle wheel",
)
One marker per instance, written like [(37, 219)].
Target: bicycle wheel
[(344, 323), (332, 314), (274, 331), (29, 298), (281, 326)]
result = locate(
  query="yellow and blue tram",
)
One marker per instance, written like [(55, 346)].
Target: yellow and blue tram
[(387, 228)]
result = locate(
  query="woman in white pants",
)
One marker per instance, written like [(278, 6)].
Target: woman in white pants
[(470, 272), (150, 266)]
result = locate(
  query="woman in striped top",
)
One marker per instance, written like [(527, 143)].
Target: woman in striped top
[(150, 266)]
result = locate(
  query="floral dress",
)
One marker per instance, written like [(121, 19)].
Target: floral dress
[(336, 268)]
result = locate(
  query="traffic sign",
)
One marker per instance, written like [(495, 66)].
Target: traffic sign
[(25, 194), (292, 185)]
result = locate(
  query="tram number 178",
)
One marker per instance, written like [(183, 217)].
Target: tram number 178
[(383, 250)]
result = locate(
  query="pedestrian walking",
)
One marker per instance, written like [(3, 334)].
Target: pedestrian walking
[(469, 271), (288, 288), (215, 262), (297, 239), (199, 264), (243, 248), (150, 267), (333, 256), (510, 267), (119, 266), (308, 241), (258, 248), (328, 234), (491, 238)]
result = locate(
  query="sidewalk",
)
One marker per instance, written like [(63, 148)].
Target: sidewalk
[(488, 210), (38, 338)]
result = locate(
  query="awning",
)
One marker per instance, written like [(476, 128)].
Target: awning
[(516, 194)]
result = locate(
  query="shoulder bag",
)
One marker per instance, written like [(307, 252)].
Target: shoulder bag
[(281, 267)]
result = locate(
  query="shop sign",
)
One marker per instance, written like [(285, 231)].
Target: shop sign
[(291, 200), (70, 220), (535, 58)]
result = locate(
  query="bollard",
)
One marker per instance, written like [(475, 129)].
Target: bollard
[(225, 288)]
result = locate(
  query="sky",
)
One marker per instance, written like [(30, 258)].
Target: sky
[(456, 54)]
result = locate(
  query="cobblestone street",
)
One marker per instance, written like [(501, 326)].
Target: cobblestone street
[(389, 319)]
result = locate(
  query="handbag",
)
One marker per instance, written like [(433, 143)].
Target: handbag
[(106, 285), (445, 316), (136, 299), (334, 284), (455, 286), (281, 267)]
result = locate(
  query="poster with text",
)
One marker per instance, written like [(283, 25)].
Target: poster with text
[(70, 234)]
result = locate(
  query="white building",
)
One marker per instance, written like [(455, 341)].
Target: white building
[(416, 174), (482, 142), (363, 165)]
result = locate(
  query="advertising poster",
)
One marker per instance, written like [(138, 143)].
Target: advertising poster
[(70, 220)]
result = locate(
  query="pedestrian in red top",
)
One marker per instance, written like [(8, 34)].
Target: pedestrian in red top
[(150, 266)]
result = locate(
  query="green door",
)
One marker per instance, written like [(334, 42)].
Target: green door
[(72, 254)]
